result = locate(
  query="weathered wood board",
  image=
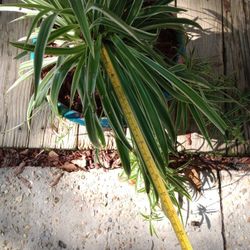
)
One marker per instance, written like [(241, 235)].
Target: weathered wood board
[(208, 46), (236, 30), (13, 105), (48, 133), (224, 41), (236, 26), (207, 42), (13, 126)]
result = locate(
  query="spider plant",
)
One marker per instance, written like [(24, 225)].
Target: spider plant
[(110, 46)]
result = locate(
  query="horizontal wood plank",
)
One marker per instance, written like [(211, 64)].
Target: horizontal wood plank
[(47, 132)]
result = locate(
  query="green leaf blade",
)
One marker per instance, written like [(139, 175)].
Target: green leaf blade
[(79, 10), (124, 156), (40, 46)]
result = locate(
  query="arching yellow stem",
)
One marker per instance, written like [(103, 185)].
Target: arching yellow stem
[(146, 154)]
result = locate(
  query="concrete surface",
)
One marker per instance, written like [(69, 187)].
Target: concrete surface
[(236, 209), (96, 210)]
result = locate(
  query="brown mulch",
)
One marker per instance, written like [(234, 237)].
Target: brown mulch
[(193, 165), (109, 159), (209, 161), (67, 160), (85, 160)]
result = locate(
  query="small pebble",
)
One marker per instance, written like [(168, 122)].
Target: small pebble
[(62, 244), (19, 198), (56, 199)]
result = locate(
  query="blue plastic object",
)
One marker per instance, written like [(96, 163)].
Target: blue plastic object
[(76, 117), (32, 54)]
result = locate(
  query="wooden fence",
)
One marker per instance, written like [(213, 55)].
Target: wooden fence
[(225, 40)]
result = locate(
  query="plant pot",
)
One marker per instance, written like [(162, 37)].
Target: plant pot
[(77, 117), (173, 53)]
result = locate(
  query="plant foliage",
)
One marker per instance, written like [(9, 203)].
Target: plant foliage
[(129, 31)]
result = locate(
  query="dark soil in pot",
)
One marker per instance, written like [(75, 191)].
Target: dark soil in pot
[(167, 44)]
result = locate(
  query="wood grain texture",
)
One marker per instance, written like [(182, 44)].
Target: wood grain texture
[(84, 142), (38, 128), (207, 42), (208, 46), (237, 46), (47, 132), (12, 106), (237, 40), (225, 40)]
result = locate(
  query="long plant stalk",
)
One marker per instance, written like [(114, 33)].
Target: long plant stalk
[(167, 204)]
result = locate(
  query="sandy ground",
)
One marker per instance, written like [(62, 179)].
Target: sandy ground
[(46, 208)]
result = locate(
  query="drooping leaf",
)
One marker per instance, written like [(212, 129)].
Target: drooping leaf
[(51, 50), (114, 18), (61, 31), (76, 78), (40, 46), (111, 113), (93, 128), (154, 10), (138, 113), (59, 77), (134, 10), (93, 67), (186, 91), (35, 22), (80, 12), (200, 123), (124, 155)]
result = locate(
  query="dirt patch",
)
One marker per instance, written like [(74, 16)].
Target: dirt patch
[(190, 166), (67, 160), (109, 159)]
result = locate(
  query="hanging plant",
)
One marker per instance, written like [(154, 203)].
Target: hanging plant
[(109, 49)]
